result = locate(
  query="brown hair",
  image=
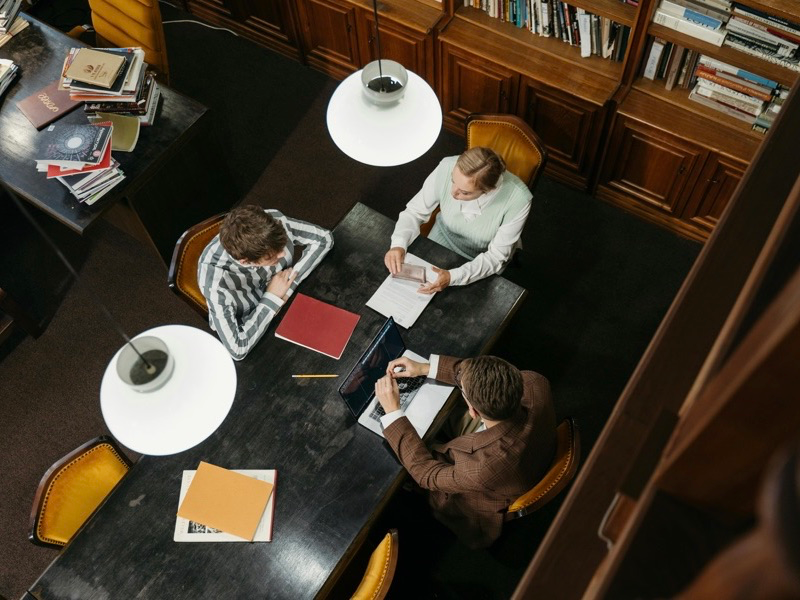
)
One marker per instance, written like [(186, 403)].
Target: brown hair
[(484, 165), (248, 233), (494, 386)]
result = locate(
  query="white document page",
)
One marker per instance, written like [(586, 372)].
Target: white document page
[(399, 298)]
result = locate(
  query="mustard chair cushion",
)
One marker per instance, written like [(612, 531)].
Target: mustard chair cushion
[(380, 570), (182, 276), (561, 472), (74, 490)]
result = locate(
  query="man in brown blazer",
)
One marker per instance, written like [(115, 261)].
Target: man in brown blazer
[(473, 478)]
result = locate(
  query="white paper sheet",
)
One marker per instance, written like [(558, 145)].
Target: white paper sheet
[(400, 299)]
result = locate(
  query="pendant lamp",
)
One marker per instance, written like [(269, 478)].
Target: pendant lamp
[(384, 115)]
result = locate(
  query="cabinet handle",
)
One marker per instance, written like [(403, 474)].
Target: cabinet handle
[(682, 169), (714, 181)]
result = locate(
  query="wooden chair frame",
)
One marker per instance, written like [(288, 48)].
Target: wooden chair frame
[(53, 471), (551, 487), (178, 264)]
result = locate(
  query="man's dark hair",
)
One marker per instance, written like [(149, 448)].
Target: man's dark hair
[(248, 233), (493, 386)]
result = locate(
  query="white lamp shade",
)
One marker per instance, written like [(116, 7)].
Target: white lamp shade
[(381, 135), (187, 409)]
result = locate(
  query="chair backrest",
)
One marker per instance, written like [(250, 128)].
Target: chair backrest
[(73, 488), (513, 139), (560, 473), (182, 277), (380, 570), (124, 23)]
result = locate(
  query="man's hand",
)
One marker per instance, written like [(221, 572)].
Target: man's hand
[(410, 368), (442, 281), (388, 394), (281, 282), (394, 259)]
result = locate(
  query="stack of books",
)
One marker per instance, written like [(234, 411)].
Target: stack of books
[(18, 25), (9, 10), (702, 19), (79, 156), (111, 80), (8, 69), (595, 35), (766, 36), (736, 92)]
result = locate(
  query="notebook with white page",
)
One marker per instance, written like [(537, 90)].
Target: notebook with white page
[(399, 298)]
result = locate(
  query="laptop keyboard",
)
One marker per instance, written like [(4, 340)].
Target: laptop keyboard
[(408, 389)]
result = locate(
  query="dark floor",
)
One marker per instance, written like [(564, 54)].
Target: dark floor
[(599, 281)]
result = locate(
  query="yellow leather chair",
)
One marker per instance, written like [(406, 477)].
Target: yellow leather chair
[(182, 277), (380, 570), (561, 472), (73, 488), (124, 23), (513, 139)]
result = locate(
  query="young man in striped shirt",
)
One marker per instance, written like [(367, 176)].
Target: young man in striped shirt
[(247, 272)]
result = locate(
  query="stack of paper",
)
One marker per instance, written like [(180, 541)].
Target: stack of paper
[(18, 25), (111, 80), (221, 505), (9, 9), (79, 156), (7, 71)]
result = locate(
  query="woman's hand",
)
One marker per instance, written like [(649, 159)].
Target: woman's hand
[(442, 281), (394, 259)]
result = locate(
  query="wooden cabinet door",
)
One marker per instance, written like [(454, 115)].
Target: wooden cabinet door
[(650, 168), (473, 84), (412, 49), (570, 127), (713, 190), (328, 30)]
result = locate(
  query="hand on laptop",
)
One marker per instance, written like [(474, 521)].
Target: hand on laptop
[(388, 394), (405, 367)]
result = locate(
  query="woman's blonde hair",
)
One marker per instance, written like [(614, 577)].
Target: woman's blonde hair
[(483, 165)]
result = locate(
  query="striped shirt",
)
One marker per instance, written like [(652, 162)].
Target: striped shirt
[(239, 307)]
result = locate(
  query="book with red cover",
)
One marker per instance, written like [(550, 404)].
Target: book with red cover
[(105, 163), (48, 104), (317, 325)]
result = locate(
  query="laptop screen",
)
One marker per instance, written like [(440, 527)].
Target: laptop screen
[(359, 387)]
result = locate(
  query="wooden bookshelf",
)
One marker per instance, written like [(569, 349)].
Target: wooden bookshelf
[(615, 10)]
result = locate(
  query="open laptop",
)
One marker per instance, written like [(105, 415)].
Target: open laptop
[(421, 398)]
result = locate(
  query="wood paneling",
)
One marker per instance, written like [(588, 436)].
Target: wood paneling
[(329, 36)]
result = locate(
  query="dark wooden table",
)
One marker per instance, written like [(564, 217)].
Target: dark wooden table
[(160, 153), (333, 474)]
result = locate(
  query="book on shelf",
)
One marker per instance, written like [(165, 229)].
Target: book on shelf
[(722, 107), (741, 86), (700, 6), (768, 19), (722, 94), (675, 63), (720, 66), (682, 25), (657, 46), (748, 46), (751, 29), (690, 15)]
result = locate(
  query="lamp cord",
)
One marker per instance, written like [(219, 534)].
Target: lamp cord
[(378, 40), (149, 367)]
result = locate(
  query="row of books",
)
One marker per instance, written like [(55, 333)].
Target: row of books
[(739, 93), (79, 156), (593, 34), (128, 88), (721, 22), (18, 25), (8, 70)]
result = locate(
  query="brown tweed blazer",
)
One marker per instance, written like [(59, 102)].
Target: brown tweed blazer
[(480, 474)]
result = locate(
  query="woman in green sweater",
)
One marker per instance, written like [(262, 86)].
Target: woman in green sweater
[(483, 210)]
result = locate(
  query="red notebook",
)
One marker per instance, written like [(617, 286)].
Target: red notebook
[(317, 325)]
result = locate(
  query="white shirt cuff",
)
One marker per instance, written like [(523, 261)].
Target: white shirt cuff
[(276, 299), (387, 420), (398, 242), (433, 370)]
